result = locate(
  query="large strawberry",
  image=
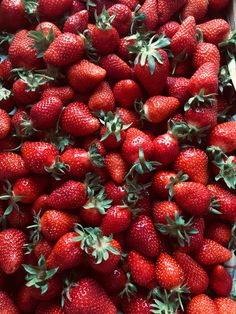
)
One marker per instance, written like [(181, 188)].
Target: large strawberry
[(215, 31), (126, 92), (223, 136), (123, 18), (206, 52), (53, 9), (149, 11), (12, 166), (11, 250), (115, 67), (225, 305), (201, 304)]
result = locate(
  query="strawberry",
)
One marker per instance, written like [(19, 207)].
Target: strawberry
[(223, 136), (66, 49), (19, 219), (21, 52), (84, 76), (160, 181), (12, 166), (117, 219), (164, 209), (45, 113), (23, 95), (105, 37), (169, 273), (194, 163), (220, 281), (212, 253), (51, 10), (167, 9), (142, 237), (76, 23), (214, 31), (115, 192), (24, 300), (5, 69), (197, 9), (132, 4), (70, 195), (142, 269), (114, 282), (159, 108), (206, 52), (39, 205), (128, 116), (102, 98), (126, 92), (123, 18), (226, 201), (195, 277), (5, 123), (150, 11), (178, 87), (201, 304), (66, 253), (217, 5), (46, 28), (116, 167), (219, 232), (115, 67), (88, 295), (77, 120), (65, 93), (169, 29), (43, 247), (204, 78), (50, 307), (185, 38), (11, 250), (7, 304), (139, 303), (225, 305)]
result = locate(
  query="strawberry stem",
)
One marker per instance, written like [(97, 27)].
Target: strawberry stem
[(98, 201), (130, 289), (41, 41)]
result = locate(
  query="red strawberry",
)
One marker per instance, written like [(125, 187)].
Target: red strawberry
[(139, 303), (128, 116), (219, 232), (217, 5), (223, 136), (201, 304), (77, 120), (185, 38), (166, 9), (195, 277), (88, 296), (115, 192), (23, 95), (169, 273), (39, 205), (11, 250), (169, 29), (164, 209), (142, 237), (114, 282), (178, 87), (12, 166), (206, 52), (215, 31), (225, 305), (220, 281), (102, 98), (160, 181), (115, 67), (5, 69), (66, 253), (45, 113), (5, 123), (105, 37), (142, 269), (194, 163), (132, 4), (65, 93), (70, 195), (24, 300), (43, 247), (19, 219), (150, 11), (52, 10), (197, 9), (212, 253), (160, 108), (46, 27), (123, 18), (116, 167), (7, 305), (166, 148), (117, 219), (67, 48), (126, 92), (50, 307), (84, 76), (76, 23)]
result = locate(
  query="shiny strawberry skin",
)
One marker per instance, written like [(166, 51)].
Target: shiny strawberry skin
[(13, 10), (223, 136), (167, 9), (139, 303), (126, 92), (201, 304), (52, 10), (105, 41), (225, 305), (12, 166), (23, 97), (8, 304), (206, 52), (160, 181), (115, 192), (178, 87), (77, 22), (116, 167), (65, 93), (219, 232), (113, 282), (163, 209), (102, 98), (115, 67), (46, 26)]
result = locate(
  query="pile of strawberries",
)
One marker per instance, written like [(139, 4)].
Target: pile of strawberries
[(117, 157)]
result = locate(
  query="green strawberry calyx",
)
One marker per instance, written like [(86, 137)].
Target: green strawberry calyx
[(180, 177), (98, 201), (41, 41), (30, 6), (104, 20), (200, 100), (94, 156), (94, 243), (35, 229), (4, 93), (129, 289), (57, 169), (38, 276)]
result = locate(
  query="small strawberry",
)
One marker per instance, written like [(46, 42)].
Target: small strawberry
[(219, 231), (70, 195), (178, 87), (76, 23), (166, 9), (11, 250), (169, 29), (142, 269), (115, 67), (65, 93), (77, 120), (43, 247), (66, 49), (185, 38), (51, 10), (206, 52), (193, 162), (212, 253), (214, 31), (201, 304), (123, 18), (225, 305), (7, 304), (5, 69), (23, 94), (84, 76), (102, 98), (5, 123), (66, 253), (105, 37), (12, 166), (197, 9), (223, 136), (195, 277), (220, 281), (115, 192), (116, 167), (126, 92), (143, 237), (115, 281), (169, 273)]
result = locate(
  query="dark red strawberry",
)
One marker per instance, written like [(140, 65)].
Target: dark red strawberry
[(220, 281), (76, 23), (52, 10), (126, 92), (123, 18)]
